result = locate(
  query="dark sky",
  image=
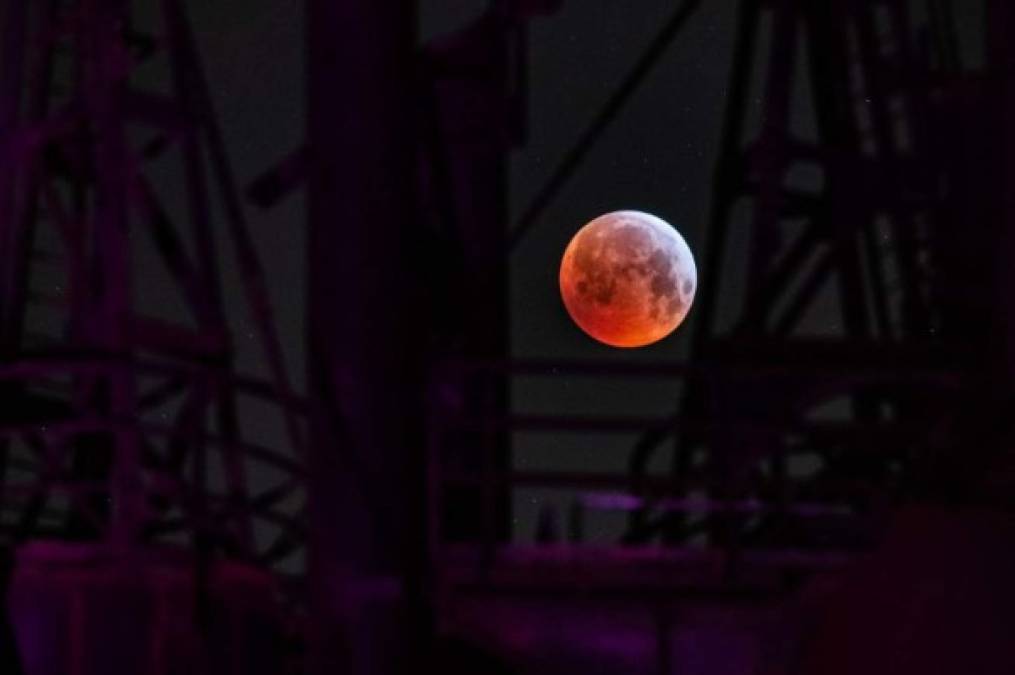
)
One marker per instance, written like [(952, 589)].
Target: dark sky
[(657, 157)]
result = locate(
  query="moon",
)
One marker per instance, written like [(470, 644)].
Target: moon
[(628, 279)]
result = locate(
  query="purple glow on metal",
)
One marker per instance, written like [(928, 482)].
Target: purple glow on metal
[(622, 502)]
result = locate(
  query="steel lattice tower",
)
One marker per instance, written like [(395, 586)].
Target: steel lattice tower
[(121, 428), (842, 224), (847, 383), (120, 424)]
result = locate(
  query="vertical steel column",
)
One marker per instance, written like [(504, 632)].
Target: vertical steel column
[(10, 661), (364, 371), (13, 27), (1001, 61), (109, 327), (14, 16)]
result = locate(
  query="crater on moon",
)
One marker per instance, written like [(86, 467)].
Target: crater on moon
[(628, 278)]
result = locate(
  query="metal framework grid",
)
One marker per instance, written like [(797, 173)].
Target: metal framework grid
[(120, 428), (733, 512), (90, 452)]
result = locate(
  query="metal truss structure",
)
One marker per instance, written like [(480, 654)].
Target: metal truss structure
[(794, 441), (123, 428), (843, 218), (122, 423)]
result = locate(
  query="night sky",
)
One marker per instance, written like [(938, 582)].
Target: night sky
[(370, 579), (658, 156)]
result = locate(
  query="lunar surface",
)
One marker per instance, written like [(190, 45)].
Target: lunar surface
[(628, 279)]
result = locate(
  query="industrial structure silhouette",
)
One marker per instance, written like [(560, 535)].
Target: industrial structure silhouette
[(829, 501)]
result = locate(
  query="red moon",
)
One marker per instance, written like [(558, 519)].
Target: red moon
[(628, 279)]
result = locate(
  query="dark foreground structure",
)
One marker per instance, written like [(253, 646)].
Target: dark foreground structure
[(826, 503)]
